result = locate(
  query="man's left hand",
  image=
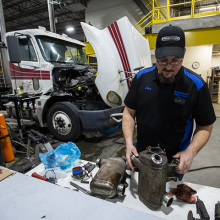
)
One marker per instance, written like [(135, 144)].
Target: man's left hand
[(186, 159)]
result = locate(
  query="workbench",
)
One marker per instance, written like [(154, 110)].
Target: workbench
[(25, 197)]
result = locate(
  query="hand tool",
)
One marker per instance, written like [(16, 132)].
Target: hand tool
[(190, 216), (84, 181), (201, 209), (82, 189), (51, 180)]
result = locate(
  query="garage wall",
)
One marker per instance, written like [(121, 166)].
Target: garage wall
[(201, 54), (102, 13), (215, 61)]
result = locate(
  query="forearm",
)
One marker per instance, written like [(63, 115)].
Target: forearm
[(200, 138), (128, 124)]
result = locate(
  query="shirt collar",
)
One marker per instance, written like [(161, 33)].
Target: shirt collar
[(178, 78)]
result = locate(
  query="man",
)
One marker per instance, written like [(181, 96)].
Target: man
[(165, 100)]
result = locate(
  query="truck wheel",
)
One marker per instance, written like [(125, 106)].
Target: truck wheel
[(63, 121)]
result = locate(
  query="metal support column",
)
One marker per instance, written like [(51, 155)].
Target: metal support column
[(51, 16), (3, 50), (168, 10)]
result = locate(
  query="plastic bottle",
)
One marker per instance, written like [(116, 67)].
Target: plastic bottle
[(19, 91)]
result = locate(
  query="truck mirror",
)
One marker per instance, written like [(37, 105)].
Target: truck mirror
[(114, 98), (13, 49)]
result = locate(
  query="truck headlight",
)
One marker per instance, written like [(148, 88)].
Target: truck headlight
[(114, 98)]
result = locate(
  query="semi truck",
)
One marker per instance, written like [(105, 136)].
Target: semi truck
[(68, 96)]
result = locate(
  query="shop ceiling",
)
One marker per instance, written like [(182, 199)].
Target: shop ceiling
[(27, 14)]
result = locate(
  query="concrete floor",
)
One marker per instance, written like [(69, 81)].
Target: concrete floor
[(94, 145)]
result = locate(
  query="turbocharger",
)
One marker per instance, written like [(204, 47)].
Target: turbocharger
[(110, 179), (154, 172)]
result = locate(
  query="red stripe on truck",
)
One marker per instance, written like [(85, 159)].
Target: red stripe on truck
[(26, 74), (116, 36)]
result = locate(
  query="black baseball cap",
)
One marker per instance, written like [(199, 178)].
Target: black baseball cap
[(170, 42)]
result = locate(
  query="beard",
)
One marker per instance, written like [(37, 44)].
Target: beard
[(165, 80)]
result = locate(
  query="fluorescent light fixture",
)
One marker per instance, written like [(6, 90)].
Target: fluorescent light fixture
[(70, 29)]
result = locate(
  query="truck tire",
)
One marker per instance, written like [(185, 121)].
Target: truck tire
[(63, 121)]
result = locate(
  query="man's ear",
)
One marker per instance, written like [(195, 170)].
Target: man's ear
[(184, 51)]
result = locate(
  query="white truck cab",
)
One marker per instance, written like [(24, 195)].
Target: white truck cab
[(71, 96)]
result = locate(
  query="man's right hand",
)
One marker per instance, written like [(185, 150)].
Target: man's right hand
[(130, 150)]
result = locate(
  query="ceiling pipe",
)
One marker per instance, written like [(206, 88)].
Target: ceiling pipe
[(2, 23), (51, 16)]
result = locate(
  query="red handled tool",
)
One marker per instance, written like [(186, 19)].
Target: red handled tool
[(50, 179), (39, 176)]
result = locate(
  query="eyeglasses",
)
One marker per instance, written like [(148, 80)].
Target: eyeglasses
[(173, 64)]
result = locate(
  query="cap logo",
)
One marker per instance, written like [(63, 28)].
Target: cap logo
[(170, 38)]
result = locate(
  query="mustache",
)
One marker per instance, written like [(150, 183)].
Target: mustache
[(164, 69)]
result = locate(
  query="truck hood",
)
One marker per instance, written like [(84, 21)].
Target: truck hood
[(120, 50)]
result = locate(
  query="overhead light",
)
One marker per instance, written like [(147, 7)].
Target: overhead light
[(70, 29)]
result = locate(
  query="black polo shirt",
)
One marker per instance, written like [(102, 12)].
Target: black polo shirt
[(165, 112)]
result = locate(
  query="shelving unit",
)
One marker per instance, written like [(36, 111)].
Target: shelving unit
[(214, 87)]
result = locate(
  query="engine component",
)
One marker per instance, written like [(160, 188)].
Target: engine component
[(153, 175), (109, 179)]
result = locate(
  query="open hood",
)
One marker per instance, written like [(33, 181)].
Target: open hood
[(120, 49)]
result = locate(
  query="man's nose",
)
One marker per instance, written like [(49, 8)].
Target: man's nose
[(169, 66)]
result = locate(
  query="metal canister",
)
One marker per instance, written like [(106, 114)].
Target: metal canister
[(153, 169), (107, 181)]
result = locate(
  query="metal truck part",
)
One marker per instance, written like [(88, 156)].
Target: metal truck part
[(153, 175), (108, 181)]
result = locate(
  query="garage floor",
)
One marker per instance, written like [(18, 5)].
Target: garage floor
[(94, 145)]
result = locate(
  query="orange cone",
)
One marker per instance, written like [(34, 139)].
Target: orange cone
[(5, 141)]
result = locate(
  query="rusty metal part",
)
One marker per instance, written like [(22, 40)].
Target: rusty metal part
[(153, 175), (108, 180)]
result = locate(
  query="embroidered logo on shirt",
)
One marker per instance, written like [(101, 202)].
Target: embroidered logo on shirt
[(147, 88), (180, 94)]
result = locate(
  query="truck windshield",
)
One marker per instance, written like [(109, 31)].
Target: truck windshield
[(55, 50)]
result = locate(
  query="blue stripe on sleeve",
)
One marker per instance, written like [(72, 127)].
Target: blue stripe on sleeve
[(145, 71), (195, 79), (188, 134)]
